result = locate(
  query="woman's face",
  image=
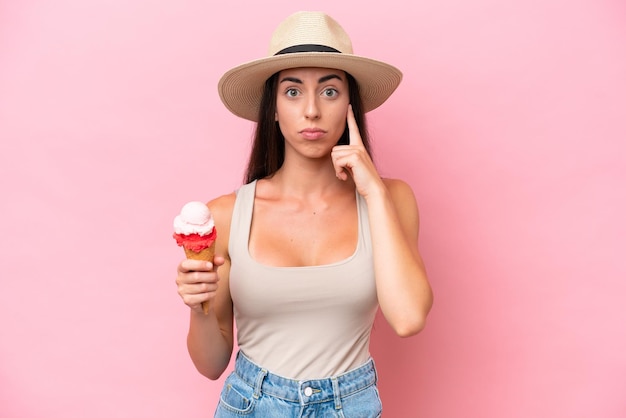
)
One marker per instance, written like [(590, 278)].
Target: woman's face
[(311, 108)]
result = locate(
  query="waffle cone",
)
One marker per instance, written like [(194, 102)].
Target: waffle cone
[(207, 255)]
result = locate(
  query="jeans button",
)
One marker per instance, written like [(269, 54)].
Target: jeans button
[(308, 391)]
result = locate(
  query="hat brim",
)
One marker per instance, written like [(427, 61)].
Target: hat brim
[(241, 88)]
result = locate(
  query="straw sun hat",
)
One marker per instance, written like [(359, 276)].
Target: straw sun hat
[(306, 39)]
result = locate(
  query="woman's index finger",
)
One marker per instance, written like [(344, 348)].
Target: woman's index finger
[(354, 134)]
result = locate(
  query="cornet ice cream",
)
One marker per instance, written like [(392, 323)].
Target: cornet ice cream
[(194, 230)]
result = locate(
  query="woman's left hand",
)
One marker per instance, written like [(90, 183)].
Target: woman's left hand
[(354, 160)]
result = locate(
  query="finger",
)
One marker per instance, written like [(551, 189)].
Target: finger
[(195, 301), (189, 265), (218, 260), (202, 277), (355, 135), (201, 288), (197, 289), (189, 281), (343, 169), (342, 174)]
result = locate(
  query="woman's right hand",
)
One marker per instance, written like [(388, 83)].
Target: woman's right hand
[(197, 281)]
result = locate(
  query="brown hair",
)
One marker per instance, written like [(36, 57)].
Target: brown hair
[(268, 146)]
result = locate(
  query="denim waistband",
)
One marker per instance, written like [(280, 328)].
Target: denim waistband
[(305, 391)]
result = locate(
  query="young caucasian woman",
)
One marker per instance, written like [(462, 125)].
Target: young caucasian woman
[(313, 244)]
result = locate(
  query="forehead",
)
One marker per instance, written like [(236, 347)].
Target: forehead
[(312, 73)]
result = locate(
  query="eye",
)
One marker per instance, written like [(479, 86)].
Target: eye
[(330, 92), (291, 92)]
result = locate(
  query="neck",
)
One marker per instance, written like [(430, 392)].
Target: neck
[(309, 178)]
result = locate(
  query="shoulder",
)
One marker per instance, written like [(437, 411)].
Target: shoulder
[(399, 191), (222, 207), (403, 198), (222, 210)]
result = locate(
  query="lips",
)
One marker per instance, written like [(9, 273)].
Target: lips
[(312, 133)]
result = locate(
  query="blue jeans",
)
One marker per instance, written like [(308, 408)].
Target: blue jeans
[(251, 391)]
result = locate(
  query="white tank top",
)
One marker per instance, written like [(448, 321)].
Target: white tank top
[(302, 322)]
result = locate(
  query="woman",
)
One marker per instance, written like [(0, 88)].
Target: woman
[(313, 244)]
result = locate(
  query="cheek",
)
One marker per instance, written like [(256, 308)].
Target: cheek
[(284, 112), (339, 120)]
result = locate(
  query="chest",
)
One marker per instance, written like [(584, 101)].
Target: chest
[(295, 234)]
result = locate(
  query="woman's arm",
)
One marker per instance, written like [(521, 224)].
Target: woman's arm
[(210, 337), (404, 294)]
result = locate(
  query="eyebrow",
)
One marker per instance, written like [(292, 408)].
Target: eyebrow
[(321, 80)]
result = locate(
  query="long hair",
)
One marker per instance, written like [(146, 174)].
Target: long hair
[(268, 145)]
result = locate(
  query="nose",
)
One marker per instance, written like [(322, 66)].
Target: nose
[(312, 110)]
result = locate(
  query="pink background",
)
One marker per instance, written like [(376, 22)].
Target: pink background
[(510, 125)]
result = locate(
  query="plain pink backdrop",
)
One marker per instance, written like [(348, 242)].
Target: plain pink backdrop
[(510, 125)]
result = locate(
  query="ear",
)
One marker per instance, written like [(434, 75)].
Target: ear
[(275, 116)]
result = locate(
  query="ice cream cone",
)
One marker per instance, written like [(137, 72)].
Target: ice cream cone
[(194, 230), (206, 254)]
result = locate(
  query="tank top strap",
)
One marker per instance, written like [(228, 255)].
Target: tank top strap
[(242, 219), (365, 237)]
